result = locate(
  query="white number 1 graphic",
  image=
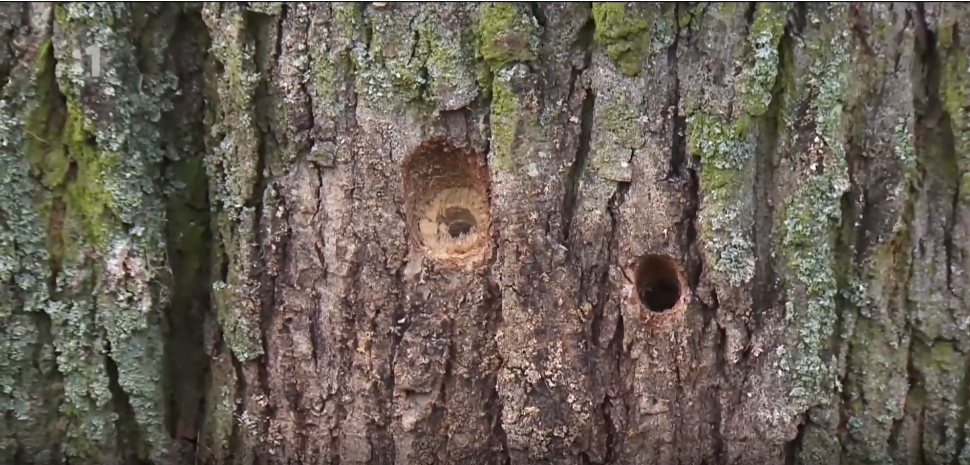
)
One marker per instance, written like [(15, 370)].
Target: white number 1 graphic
[(94, 52)]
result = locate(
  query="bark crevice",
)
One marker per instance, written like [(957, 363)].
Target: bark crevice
[(578, 167)]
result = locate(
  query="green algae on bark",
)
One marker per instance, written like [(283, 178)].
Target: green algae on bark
[(633, 32), (507, 33)]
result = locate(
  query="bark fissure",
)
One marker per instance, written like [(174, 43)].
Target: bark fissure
[(55, 228), (578, 167), (494, 403), (241, 420), (129, 438), (574, 175), (615, 352), (189, 237), (962, 401)]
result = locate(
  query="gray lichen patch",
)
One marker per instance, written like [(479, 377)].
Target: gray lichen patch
[(234, 168), (29, 390), (413, 58), (812, 211), (764, 36), (726, 123), (451, 56), (390, 67), (123, 224), (726, 178)]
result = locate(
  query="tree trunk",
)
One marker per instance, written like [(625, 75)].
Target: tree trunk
[(436, 233)]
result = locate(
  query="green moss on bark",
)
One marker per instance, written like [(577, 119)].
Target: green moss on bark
[(955, 93), (634, 32), (504, 120), (621, 133), (507, 33)]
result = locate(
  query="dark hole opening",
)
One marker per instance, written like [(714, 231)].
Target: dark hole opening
[(458, 221), (658, 283)]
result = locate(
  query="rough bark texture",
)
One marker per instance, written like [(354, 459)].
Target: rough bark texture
[(695, 233)]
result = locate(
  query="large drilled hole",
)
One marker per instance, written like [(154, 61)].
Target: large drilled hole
[(446, 201), (658, 282)]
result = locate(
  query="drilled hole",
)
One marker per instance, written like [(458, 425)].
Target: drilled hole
[(658, 282), (458, 221), (446, 201)]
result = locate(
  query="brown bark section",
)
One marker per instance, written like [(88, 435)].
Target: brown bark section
[(698, 233)]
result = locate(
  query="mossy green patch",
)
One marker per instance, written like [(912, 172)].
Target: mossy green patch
[(955, 93), (44, 152), (507, 33), (504, 121), (394, 64), (622, 119), (942, 366), (326, 63), (632, 32), (622, 132), (85, 195), (220, 406), (623, 34), (389, 54)]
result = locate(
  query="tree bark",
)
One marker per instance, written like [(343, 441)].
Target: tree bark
[(435, 233)]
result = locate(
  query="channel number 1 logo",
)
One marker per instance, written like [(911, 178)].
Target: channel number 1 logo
[(94, 52)]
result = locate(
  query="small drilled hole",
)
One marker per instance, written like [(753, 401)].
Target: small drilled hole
[(658, 282), (459, 221)]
